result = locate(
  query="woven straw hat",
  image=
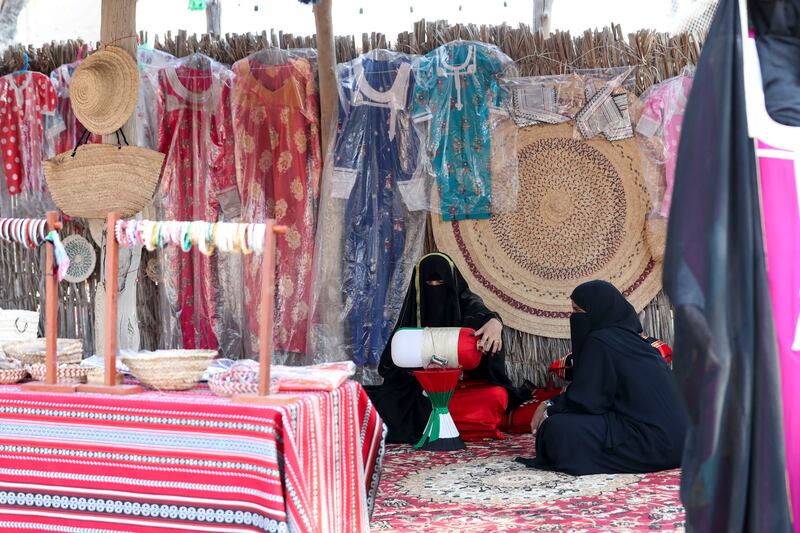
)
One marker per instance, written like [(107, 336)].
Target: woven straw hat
[(580, 216), (104, 89), (103, 178)]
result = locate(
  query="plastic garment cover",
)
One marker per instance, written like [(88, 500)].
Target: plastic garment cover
[(659, 131), (725, 358), (278, 154), (372, 217), (196, 134), (596, 99), (147, 107), (459, 106), (25, 99)]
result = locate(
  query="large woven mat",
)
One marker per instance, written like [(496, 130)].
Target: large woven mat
[(580, 216)]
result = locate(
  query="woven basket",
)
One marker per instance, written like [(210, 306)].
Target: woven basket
[(96, 376), (17, 325), (34, 352), (64, 374), (102, 178), (170, 369), (8, 377), (239, 379)]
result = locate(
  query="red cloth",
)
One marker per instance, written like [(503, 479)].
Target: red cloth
[(276, 122), (478, 408), (519, 419), (167, 462), (469, 356), (196, 134)]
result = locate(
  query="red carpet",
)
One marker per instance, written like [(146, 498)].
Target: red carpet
[(481, 489)]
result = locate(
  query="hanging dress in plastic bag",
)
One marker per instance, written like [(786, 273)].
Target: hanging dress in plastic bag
[(196, 133), (147, 107), (384, 191), (459, 104), (659, 129), (276, 108), (25, 99)]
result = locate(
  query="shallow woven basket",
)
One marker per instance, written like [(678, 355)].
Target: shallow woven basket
[(170, 369), (34, 352), (64, 374), (104, 89), (96, 376), (7, 377), (237, 380), (102, 178)]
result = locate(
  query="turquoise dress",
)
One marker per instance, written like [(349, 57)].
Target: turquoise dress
[(456, 95)]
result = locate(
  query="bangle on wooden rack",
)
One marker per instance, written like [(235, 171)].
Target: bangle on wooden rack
[(151, 243), (259, 231), (186, 243), (242, 234), (204, 240), (118, 231)]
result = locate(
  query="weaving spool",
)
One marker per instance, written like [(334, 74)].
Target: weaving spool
[(453, 347)]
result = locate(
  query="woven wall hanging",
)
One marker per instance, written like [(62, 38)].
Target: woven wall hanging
[(580, 215)]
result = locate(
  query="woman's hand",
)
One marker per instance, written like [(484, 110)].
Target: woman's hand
[(538, 418), (490, 337)]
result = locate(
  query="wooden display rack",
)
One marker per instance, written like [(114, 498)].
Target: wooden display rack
[(50, 383), (110, 385), (266, 320)]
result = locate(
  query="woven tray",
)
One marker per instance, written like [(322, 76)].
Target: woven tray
[(64, 374), (8, 377), (170, 369), (68, 351)]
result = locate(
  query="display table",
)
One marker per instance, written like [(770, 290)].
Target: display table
[(188, 462)]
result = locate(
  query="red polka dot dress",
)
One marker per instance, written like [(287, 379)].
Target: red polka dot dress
[(24, 100)]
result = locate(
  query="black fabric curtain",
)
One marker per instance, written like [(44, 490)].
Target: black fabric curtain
[(725, 360)]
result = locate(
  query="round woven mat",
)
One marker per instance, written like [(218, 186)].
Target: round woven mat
[(580, 216)]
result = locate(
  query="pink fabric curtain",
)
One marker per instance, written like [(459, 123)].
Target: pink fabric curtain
[(780, 189)]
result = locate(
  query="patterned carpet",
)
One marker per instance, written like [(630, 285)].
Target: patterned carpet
[(481, 489)]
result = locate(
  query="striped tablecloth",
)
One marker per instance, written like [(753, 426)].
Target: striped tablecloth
[(160, 462)]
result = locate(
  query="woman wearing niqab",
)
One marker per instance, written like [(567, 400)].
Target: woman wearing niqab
[(622, 411), (438, 296)]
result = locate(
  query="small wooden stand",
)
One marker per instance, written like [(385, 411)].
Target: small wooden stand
[(266, 322), (109, 385), (50, 383)]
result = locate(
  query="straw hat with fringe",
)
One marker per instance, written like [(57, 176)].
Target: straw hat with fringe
[(104, 89), (580, 215), (97, 179)]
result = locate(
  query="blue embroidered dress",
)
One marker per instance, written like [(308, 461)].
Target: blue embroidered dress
[(375, 164), (457, 91)]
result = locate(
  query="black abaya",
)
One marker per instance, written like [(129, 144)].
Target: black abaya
[(400, 400), (622, 412)]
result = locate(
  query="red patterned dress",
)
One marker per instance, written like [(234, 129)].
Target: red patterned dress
[(196, 134), (276, 117), (24, 99)]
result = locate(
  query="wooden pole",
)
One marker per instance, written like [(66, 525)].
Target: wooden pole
[(266, 319), (214, 18), (50, 383), (112, 297), (326, 59), (542, 16), (110, 343), (118, 28)]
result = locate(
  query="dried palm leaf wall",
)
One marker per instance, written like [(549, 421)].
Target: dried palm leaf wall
[(654, 56)]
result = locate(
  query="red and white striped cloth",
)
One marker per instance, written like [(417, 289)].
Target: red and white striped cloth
[(160, 462)]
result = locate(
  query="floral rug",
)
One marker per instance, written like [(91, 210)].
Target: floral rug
[(482, 489)]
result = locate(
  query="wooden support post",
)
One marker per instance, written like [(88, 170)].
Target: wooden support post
[(50, 383), (109, 385), (326, 60), (118, 28), (266, 320)]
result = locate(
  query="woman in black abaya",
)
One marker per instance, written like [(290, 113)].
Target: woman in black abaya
[(439, 297), (622, 412)]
